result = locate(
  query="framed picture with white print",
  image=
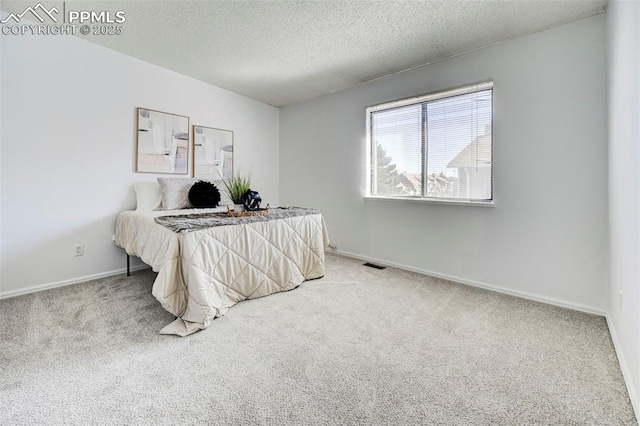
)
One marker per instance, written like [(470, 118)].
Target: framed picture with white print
[(162, 142), (212, 153)]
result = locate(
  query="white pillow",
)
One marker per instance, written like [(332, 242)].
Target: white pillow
[(174, 193), (147, 196)]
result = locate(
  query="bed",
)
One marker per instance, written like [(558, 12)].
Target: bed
[(203, 271)]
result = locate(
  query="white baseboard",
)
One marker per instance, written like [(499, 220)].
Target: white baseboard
[(517, 293), (47, 286), (624, 366)]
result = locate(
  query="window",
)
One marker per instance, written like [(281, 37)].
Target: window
[(434, 147)]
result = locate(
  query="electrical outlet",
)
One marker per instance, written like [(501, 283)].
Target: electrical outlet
[(78, 250), (113, 238), (620, 300), (332, 247)]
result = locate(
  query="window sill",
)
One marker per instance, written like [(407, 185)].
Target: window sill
[(432, 201)]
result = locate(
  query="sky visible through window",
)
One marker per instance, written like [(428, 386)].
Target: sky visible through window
[(452, 124)]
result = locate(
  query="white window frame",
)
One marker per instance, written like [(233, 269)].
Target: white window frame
[(460, 90)]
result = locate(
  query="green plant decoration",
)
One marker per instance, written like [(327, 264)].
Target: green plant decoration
[(237, 185)]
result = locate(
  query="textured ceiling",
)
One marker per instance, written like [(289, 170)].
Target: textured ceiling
[(283, 52)]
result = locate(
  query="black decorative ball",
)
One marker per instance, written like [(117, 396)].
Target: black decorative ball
[(204, 194)]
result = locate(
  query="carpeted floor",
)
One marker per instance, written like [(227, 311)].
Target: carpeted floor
[(359, 346)]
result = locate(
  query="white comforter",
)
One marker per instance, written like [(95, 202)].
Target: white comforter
[(201, 274)]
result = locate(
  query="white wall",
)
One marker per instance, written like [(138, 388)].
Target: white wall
[(624, 187), (547, 236), (68, 150)]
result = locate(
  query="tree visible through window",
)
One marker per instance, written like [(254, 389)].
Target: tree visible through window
[(436, 146), (387, 177)]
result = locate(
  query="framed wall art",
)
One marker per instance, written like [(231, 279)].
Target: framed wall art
[(162, 142), (212, 153)]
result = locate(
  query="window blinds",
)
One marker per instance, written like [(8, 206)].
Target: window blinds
[(434, 146)]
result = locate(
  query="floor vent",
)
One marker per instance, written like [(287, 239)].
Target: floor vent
[(373, 265)]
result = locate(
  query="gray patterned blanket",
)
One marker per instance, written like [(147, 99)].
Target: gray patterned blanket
[(194, 222)]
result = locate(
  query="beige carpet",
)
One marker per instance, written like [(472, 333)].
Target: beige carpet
[(359, 346)]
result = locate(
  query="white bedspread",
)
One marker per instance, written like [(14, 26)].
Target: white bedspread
[(201, 274)]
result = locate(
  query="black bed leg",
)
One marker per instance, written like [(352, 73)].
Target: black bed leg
[(128, 267)]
